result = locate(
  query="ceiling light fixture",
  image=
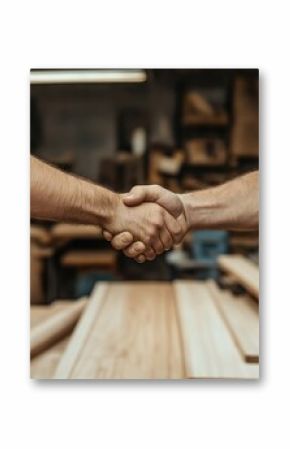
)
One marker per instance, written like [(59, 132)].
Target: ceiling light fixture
[(86, 76)]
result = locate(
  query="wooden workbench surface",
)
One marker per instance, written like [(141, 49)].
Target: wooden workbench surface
[(161, 330)]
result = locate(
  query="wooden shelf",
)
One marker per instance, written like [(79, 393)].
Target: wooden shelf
[(206, 120), (64, 231), (243, 270), (80, 258)]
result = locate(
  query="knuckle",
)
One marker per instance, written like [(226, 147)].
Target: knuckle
[(177, 230), (132, 252), (147, 239), (117, 244)]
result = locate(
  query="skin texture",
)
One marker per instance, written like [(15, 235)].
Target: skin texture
[(140, 195), (148, 220), (60, 196), (232, 206)]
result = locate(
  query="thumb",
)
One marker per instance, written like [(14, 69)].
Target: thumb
[(107, 236), (136, 196)]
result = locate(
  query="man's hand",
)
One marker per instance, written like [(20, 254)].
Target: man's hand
[(151, 227), (158, 195)]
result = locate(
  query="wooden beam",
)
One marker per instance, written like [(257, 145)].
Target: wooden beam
[(241, 314), (210, 351), (55, 327), (244, 271), (81, 333)]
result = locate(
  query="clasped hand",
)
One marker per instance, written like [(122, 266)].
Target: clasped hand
[(147, 221)]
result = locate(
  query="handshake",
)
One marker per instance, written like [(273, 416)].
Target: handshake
[(146, 222)]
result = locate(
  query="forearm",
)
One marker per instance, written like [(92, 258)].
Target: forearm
[(233, 205), (56, 195)]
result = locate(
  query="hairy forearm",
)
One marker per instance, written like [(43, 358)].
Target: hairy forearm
[(56, 195), (233, 205)]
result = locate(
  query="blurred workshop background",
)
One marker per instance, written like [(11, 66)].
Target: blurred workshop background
[(185, 129)]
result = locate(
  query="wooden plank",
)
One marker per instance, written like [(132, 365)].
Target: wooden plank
[(136, 336), (55, 327), (80, 258), (210, 351), (241, 314), (43, 365), (40, 234), (67, 231), (81, 333), (244, 270), (39, 313)]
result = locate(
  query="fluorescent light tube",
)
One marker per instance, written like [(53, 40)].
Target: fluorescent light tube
[(86, 76)]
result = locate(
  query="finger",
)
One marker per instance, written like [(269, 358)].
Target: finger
[(137, 195), (157, 245), (150, 254), (155, 194), (166, 238), (134, 250), (173, 227), (107, 235), (140, 259), (122, 240)]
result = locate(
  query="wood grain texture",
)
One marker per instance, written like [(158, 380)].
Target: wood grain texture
[(39, 313), (210, 351), (55, 327), (81, 333), (135, 336), (241, 314), (43, 365), (244, 270)]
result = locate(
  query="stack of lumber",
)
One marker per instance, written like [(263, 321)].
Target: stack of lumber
[(159, 330), (245, 134), (197, 110), (201, 151), (141, 330), (243, 270)]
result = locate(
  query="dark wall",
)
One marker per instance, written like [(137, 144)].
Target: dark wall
[(81, 123)]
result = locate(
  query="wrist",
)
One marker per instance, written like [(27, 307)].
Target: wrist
[(201, 209), (96, 205), (105, 207), (185, 199)]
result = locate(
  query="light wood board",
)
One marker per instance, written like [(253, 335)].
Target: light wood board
[(244, 270), (241, 314), (43, 365), (55, 327), (81, 332), (39, 313), (210, 351), (135, 335)]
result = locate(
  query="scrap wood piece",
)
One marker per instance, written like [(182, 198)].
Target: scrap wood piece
[(55, 327), (242, 318), (136, 336), (210, 351), (44, 364), (41, 312), (81, 332), (243, 269)]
